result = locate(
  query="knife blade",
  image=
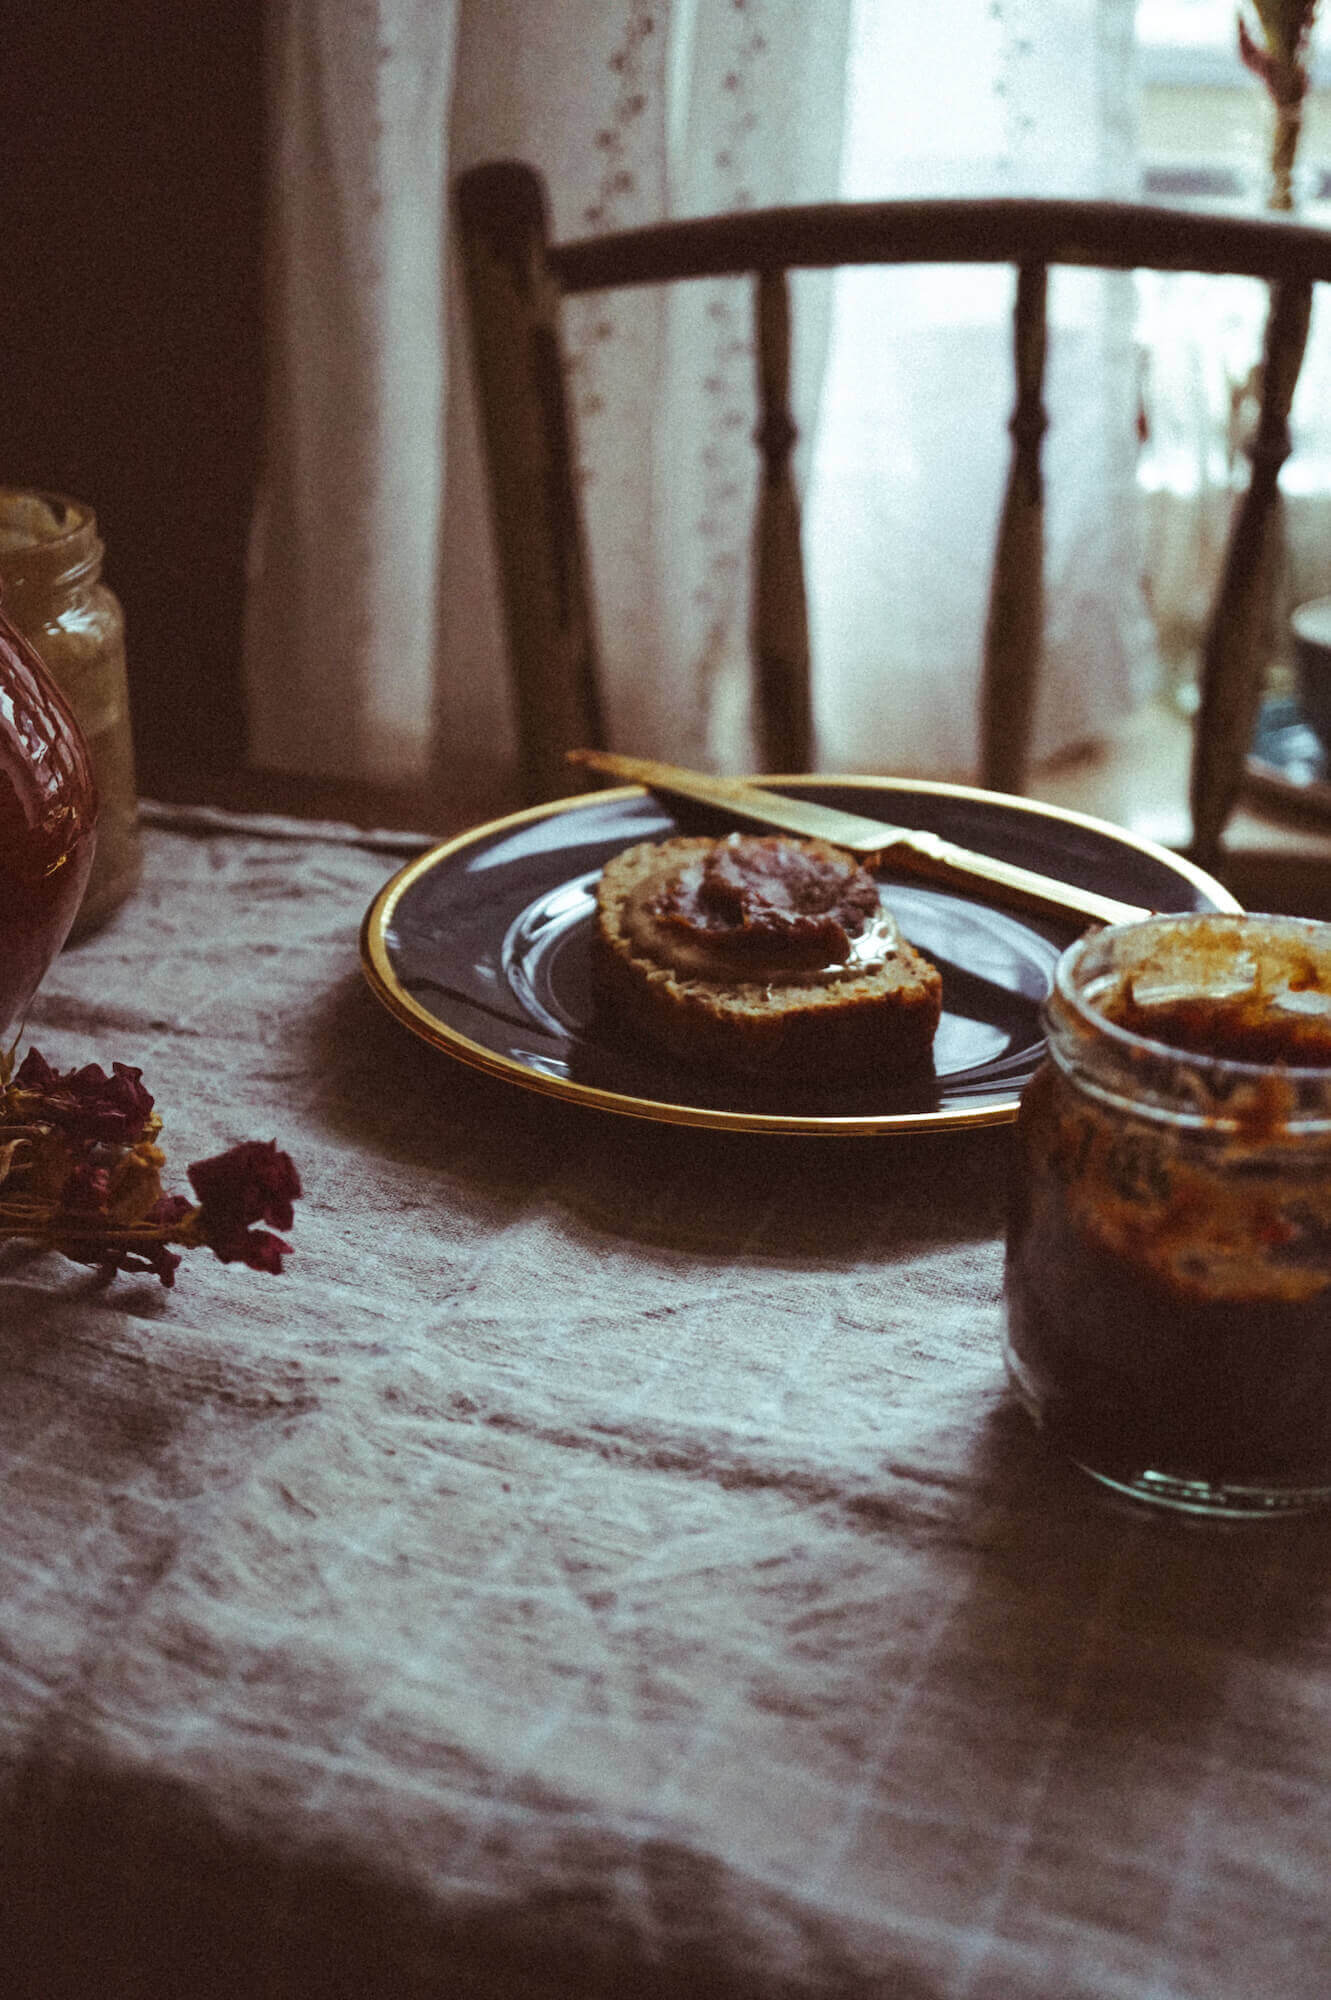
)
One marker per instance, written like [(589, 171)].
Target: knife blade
[(908, 850)]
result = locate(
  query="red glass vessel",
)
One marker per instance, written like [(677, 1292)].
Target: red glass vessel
[(48, 823)]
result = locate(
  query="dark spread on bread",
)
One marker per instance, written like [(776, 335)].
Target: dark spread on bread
[(760, 907), (765, 896)]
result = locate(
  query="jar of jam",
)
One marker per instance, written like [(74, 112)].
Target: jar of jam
[(1168, 1273), (51, 589)]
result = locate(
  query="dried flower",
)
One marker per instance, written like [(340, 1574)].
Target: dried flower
[(252, 1183), (80, 1172), (86, 1102), (1280, 60), (1286, 25)]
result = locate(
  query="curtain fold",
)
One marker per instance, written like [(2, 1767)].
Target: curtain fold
[(912, 452), (340, 652), (693, 109), (374, 643)]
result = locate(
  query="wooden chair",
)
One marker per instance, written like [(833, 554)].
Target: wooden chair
[(517, 279)]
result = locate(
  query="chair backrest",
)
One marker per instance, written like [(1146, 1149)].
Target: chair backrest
[(517, 279)]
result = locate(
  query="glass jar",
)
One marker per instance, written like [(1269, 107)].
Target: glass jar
[(48, 822), (1168, 1274), (51, 590)]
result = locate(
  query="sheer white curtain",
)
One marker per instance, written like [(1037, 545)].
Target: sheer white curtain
[(634, 113), (374, 646), (1034, 97), (341, 614)]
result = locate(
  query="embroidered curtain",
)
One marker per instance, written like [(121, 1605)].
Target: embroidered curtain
[(374, 645)]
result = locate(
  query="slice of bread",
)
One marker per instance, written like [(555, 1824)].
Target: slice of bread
[(724, 1004)]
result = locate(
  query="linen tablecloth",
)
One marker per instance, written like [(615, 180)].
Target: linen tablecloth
[(608, 1560)]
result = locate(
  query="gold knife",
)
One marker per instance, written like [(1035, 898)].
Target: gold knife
[(907, 849)]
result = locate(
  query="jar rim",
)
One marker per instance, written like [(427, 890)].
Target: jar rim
[(1186, 1086), (1073, 959), (48, 561)]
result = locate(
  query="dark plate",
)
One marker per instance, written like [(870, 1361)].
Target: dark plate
[(482, 947)]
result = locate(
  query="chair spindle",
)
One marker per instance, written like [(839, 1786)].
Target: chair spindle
[(1015, 622), (1237, 646), (779, 619), (515, 307), (517, 278)]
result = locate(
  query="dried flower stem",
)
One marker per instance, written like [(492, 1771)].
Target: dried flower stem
[(1280, 60)]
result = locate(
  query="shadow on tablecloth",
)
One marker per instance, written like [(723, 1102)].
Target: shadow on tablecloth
[(384, 1088)]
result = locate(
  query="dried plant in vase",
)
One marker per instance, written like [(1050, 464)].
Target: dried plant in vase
[(1280, 59)]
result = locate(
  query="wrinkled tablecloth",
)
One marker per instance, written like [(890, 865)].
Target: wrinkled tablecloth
[(607, 1562)]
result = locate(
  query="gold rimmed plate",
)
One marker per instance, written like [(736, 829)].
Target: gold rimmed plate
[(482, 947)]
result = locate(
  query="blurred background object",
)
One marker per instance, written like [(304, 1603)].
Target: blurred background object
[(52, 591)]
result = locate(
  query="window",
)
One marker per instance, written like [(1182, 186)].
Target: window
[(1205, 139), (1204, 116)]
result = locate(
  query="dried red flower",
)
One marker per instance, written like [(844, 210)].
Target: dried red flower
[(80, 1173), (87, 1187), (170, 1211), (251, 1183), (87, 1103)]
